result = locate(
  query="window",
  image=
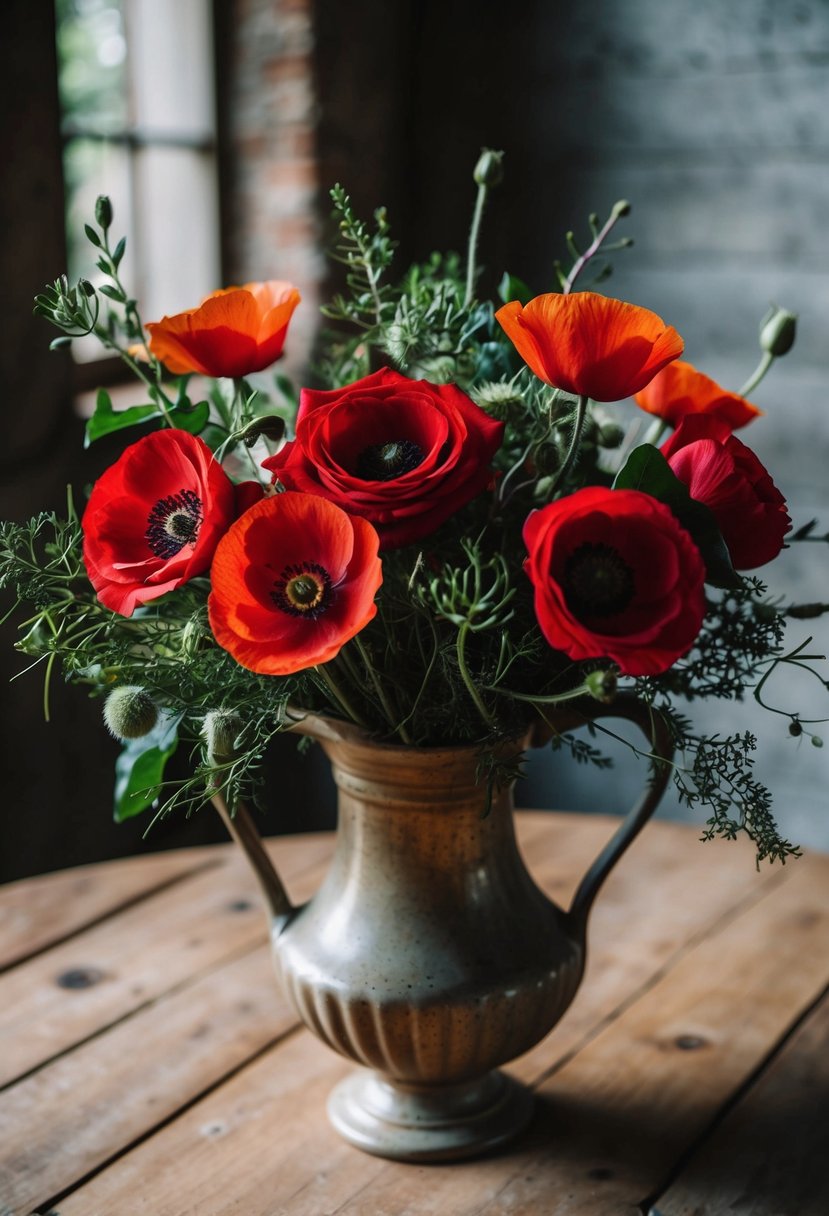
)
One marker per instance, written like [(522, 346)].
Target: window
[(138, 120)]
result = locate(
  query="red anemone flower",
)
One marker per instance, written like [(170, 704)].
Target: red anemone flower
[(154, 519), (293, 580), (589, 344), (405, 454), (616, 577), (723, 473), (232, 333), (679, 389)]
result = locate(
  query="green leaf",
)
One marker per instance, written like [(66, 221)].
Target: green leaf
[(92, 236), (113, 293), (647, 469), (118, 252), (512, 288), (105, 420), (189, 417), (139, 770), (60, 343)]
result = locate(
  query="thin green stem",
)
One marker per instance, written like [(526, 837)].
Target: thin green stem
[(340, 698), (758, 374), (570, 459), (472, 252), (388, 709), (592, 249), (467, 678), (655, 431)]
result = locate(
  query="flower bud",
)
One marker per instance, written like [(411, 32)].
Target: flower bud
[(500, 400), (130, 712), (777, 331), (220, 730), (817, 741), (611, 435), (103, 211), (620, 208), (602, 686), (489, 171)]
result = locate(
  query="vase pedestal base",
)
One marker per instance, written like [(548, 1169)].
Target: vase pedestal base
[(429, 1122)]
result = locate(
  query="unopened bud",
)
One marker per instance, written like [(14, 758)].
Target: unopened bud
[(103, 211), (500, 400), (602, 686), (220, 731), (611, 435), (795, 729), (817, 741), (130, 712), (489, 171), (86, 287), (620, 208), (777, 331)]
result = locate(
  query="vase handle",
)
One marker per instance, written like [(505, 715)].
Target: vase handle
[(244, 831), (656, 731)]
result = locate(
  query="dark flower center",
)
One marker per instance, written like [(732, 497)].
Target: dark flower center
[(385, 461), (303, 590), (173, 523), (597, 581)]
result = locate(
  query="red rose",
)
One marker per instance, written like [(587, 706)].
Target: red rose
[(234, 332), (154, 519), (293, 580), (679, 389), (589, 344), (723, 473), (404, 454), (616, 577)]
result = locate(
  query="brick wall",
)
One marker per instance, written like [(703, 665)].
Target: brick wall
[(268, 125)]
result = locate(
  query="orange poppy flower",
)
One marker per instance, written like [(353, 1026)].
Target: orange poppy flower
[(292, 581), (589, 344), (680, 389), (234, 332)]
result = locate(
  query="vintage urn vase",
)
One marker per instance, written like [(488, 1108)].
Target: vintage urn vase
[(429, 956)]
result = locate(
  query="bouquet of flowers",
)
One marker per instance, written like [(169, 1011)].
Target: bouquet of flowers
[(457, 537)]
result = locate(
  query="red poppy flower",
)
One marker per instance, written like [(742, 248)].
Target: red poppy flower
[(679, 389), (233, 332), (723, 473), (616, 577), (405, 454), (588, 344), (154, 519), (293, 580)]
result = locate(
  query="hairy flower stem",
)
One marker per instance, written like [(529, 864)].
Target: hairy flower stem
[(570, 459), (388, 710), (472, 252), (467, 678), (758, 374)]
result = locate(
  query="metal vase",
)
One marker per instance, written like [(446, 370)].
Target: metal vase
[(429, 955)]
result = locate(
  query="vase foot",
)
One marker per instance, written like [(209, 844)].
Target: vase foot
[(429, 1122)]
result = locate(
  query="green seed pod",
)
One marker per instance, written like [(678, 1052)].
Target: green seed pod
[(130, 712), (489, 171), (777, 331)]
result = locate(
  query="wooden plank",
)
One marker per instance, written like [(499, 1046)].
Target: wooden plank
[(113, 1090), (769, 1155), (610, 1121), (71, 992), (38, 912)]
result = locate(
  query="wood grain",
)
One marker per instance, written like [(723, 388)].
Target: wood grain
[(770, 1152), (728, 962)]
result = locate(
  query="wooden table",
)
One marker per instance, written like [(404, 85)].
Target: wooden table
[(148, 1063)]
